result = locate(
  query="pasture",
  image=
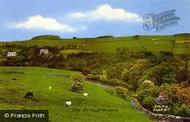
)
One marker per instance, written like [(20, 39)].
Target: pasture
[(152, 43), (51, 88)]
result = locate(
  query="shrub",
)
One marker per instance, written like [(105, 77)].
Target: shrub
[(147, 53), (103, 78), (181, 110), (147, 84), (182, 75), (115, 82), (93, 77), (77, 63), (149, 102), (77, 84), (86, 71), (123, 54), (125, 75), (90, 77), (116, 70), (143, 93), (168, 75), (121, 92), (160, 57), (132, 73)]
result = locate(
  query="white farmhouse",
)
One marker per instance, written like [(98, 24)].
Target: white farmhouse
[(44, 51), (11, 54)]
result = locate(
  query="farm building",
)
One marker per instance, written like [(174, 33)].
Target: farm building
[(44, 51), (11, 54)]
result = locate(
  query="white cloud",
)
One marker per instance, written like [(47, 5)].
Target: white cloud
[(44, 23), (107, 12)]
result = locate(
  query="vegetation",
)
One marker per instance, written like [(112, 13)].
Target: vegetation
[(77, 84), (97, 107), (154, 69), (110, 44), (121, 91)]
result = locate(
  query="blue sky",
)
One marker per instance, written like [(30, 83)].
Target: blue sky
[(23, 19)]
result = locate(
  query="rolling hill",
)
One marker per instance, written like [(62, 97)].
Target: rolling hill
[(99, 106), (152, 43)]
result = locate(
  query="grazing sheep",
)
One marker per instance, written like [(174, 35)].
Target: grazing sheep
[(50, 87), (68, 103), (85, 94), (29, 95)]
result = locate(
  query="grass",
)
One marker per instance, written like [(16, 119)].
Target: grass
[(143, 43), (16, 81)]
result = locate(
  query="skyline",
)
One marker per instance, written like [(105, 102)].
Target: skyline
[(22, 20)]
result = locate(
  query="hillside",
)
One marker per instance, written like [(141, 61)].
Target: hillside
[(16, 81), (110, 44)]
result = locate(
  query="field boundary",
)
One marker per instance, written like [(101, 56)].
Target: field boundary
[(165, 117)]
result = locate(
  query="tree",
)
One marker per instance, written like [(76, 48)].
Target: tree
[(77, 83), (168, 75), (121, 91)]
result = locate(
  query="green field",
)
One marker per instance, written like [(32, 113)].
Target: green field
[(152, 43), (16, 81)]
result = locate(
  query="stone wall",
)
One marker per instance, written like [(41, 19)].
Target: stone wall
[(162, 117)]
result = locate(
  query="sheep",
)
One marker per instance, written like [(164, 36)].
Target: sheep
[(28, 95), (85, 94), (50, 87), (68, 103)]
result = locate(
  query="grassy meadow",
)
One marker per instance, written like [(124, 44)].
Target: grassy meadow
[(15, 82)]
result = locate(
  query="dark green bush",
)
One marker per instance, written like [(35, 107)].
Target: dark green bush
[(160, 57), (149, 102), (181, 110), (115, 82)]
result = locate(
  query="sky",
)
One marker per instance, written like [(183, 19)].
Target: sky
[(24, 19)]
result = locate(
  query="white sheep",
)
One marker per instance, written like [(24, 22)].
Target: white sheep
[(85, 94), (68, 103), (50, 87)]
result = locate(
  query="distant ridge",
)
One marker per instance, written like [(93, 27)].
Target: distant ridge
[(55, 37), (182, 34), (46, 37)]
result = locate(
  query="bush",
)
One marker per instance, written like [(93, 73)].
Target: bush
[(149, 102), (93, 77), (143, 93), (86, 71), (168, 75), (121, 92), (125, 75), (103, 78), (147, 53), (160, 57), (115, 82), (77, 84), (90, 77), (181, 110), (77, 63), (147, 84)]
